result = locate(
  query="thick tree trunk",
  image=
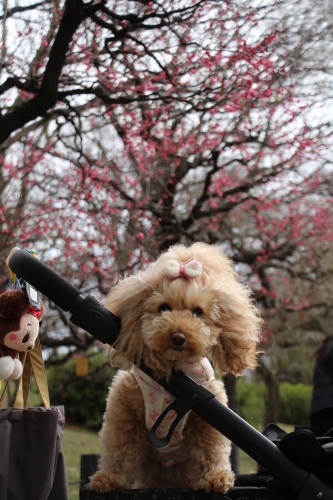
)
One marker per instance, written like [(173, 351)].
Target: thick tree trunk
[(272, 397), (230, 387)]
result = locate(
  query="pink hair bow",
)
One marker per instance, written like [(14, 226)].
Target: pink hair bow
[(174, 269)]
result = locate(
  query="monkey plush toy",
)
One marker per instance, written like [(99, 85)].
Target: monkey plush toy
[(19, 327)]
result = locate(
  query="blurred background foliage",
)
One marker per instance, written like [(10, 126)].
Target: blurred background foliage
[(84, 397), (294, 403)]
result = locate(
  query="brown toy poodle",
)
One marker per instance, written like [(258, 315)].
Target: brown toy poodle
[(184, 307)]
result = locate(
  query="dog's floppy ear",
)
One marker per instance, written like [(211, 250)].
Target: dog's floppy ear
[(239, 323), (125, 301)]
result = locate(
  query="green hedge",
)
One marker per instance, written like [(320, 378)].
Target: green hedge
[(84, 397), (295, 400), (250, 397), (294, 408)]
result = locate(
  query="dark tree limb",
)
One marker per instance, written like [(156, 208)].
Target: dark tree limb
[(16, 9), (75, 12)]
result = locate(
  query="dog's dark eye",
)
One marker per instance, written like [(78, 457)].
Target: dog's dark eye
[(164, 307), (197, 311)]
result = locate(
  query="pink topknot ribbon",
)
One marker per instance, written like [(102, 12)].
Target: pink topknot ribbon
[(174, 269)]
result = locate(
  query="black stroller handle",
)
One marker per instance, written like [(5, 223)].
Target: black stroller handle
[(87, 313), (305, 484)]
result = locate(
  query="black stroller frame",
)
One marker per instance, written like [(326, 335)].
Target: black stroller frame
[(282, 478)]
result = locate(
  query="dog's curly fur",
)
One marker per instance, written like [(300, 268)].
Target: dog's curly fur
[(227, 331)]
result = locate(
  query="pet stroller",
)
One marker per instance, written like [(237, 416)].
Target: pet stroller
[(295, 466)]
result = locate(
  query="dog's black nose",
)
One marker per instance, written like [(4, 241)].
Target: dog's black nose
[(178, 339)]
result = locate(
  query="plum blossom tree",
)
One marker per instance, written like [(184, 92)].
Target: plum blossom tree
[(129, 126)]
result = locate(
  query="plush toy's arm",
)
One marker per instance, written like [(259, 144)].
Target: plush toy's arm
[(17, 371), (7, 363), (10, 366)]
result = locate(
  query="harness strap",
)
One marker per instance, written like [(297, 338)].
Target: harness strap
[(181, 406)]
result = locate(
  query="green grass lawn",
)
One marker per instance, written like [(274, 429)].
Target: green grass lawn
[(246, 464), (77, 441)]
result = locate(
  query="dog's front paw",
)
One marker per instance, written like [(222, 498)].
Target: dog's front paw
[(102, 482), (218, 483)]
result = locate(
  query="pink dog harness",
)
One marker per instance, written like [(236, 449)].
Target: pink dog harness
[(156, 399)]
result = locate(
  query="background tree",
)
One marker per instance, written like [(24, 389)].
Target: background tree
[(127, 126), (299, 323), (299, 327)]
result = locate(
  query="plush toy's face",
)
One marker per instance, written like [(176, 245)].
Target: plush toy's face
[(24, 338)]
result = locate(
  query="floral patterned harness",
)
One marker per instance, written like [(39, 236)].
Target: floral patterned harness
[(156, 399)]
